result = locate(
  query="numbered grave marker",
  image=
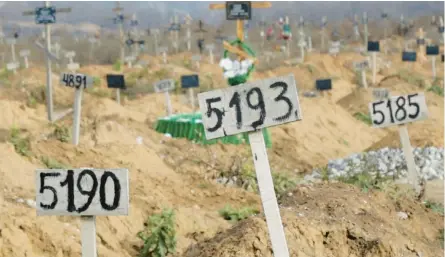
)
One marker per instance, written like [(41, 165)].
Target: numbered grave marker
[(45, 15), (164, 86), (196, 58), (12, 66), (362, 66), (117, 82), (374, 47), (250, 107), (433, 51), (76, 80), (82, 192), (238, 10), (190, 82), (323, 84), (24, 52), (380, 93), (409, 56), (398, 110)]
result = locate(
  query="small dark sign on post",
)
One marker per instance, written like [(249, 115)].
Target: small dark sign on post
[(189, 81), (323, 84), (432, 50), (238, 10), (116, 81), (409, 56), (373, 46)]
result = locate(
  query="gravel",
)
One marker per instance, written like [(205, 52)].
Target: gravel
[(387, 162)]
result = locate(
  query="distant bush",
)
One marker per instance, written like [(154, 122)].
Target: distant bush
[(61, 133), (435, 207), (117, 65)]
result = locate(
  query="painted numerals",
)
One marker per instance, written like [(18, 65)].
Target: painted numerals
[(76, 80), (250, 106), (82, 192), (398, 110), (164, 85)]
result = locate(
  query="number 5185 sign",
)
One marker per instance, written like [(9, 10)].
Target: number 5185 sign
[(249, 107), (398, 110), (86, 192)]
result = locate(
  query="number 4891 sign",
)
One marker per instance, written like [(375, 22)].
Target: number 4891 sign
[(398, 110), (82, 192), (249, 107)]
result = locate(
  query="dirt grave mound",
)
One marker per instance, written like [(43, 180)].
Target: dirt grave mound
[(335, 220)]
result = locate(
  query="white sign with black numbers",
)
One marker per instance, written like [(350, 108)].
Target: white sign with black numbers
[(24, 52), (82, 192), (164, 85), (380, 93), (249, 107), (358, 66), (73, 66), (398, 110), (76, 80)]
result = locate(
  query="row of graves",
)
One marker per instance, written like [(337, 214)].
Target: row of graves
[(238, 114)]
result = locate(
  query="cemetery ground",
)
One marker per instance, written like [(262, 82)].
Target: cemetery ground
[(325, 218)]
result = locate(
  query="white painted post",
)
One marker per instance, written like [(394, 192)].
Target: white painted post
[(363, 75), (267, 193), (323, 32), (49, 86), (365, 25), (13, 51), (176, 35), (25, 53), (188, 20), (192, 98), (211, 56), (13, 63), (374, 67), (155, 34), (441, 25), (164, 57), (433, 60), (88, 229), (77, 112), (169, 103), (409, 157), (356, 30)]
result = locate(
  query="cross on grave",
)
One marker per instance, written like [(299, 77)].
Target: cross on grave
[(119, 20), (164, 51), (210, 47), (13, 65), (323, 31), (188, 21), (47, 15), (421, 45), (365, 28), (71, 66), (242, 10), (361, 67), (155, 33), (25, 53), (175, 27)]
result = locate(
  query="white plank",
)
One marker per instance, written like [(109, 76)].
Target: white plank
[(76, 80), (415, 107), (70, 54), (11, 41), (276, 94), (361, 65), (12, 66), (89, 246), (24, 52), (73, 66), (380, 93), (164, 85), (45, 197), (267, 193)]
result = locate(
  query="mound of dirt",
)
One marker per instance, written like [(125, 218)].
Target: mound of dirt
[(334, 220)]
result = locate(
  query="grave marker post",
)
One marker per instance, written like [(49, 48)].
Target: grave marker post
[(433, 51), (13, 65), (25, 53), (256, 137), (323, 32), (155, 35), (47, 15), (188, 22), (165, 86), (385, 112), (210, 48), (441, 28), (365, 25), (374, 47)]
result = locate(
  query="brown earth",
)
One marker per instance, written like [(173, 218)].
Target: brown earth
[(321, 220)]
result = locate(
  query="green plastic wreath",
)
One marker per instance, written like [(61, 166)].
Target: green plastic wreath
[(240, 79)]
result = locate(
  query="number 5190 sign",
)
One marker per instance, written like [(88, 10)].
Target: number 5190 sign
[(82, 192), (249, 107), (398, 110)]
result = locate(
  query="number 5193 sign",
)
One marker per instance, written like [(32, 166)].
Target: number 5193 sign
[(398, 110), (86, 192), (249, 107)]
